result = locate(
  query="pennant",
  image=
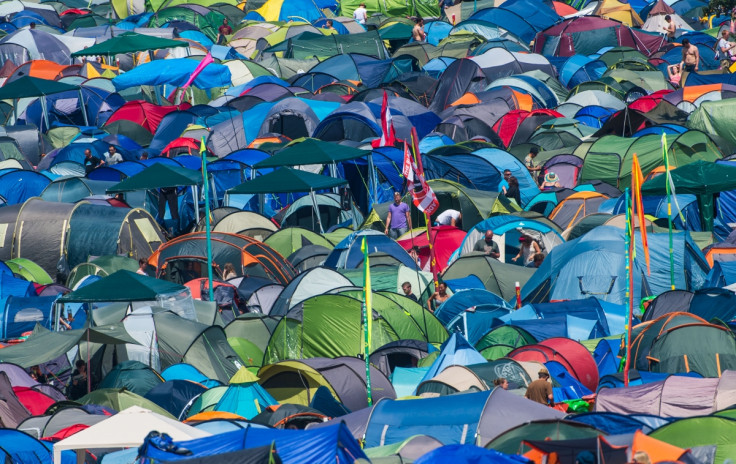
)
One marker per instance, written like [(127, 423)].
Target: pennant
[(637, 179), (388, 135), (671, 194), (367, 295), (424, 198)]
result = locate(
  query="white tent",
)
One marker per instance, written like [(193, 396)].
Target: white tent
[(125, 429)]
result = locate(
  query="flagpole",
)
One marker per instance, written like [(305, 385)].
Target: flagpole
[(367, 319), (629, 242), (208, 226), (427, 215), (669, 208)]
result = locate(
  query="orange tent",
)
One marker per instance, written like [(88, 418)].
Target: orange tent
[(657, 450), (563, 9), (212, 415)]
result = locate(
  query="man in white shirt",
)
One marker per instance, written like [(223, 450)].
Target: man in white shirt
[(113, 157), (360, 14), (449, 217)]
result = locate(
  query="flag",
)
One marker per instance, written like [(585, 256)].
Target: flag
[(206, 61), (388, 135), (637, 179), (367, 317), (424, 198), (671, 194)]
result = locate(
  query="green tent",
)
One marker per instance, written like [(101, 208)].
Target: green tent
[(503, 340), (681, 349), (159, 175), (701, 178), (510, 442), (205, 19), (129, 42), (287, 241), (311, 151), (101, 266), (716, 118), (393, 8), (308, 45), (120, 399), (701, 431), (44, 345), (29, 271), (124, 286), (497, 277)]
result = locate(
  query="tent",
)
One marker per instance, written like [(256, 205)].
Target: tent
[(126, 429)]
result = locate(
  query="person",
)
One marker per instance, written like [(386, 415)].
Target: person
[(229, 271), (540, 390), (438, 297), (90, 161), (669, 29), (513, 192), (37, 375), (222, 31), (675, 74), (724, 50), (144, 156), (414, 253), (530, 164), (32, 25), (551, 180), (488, 246), (398, 221), (406, 288), (527, 250), (449, 217), (418, 33), (142, 266), (585, 457), (329, 25), (360, 14), (113, 157), (690, 56), (501, 382), (642, 457), (537, 260), (504, 184), (77, 386)]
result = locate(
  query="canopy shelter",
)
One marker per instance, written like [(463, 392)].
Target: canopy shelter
[(123, 286), (28, 87), (161, 176), (125, 429), (701, 178), (289, 180), (129, 42)]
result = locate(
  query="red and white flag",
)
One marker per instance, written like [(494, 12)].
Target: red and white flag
[(388, 135), (424, 198)]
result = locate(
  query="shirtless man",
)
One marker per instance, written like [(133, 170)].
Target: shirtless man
[(690, 56), (669, 29), (439, 297), (418, 32)]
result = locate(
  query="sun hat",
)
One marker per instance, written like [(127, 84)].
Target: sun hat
[(551, 177)]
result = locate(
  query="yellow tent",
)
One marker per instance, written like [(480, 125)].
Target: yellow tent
[(613, 9)]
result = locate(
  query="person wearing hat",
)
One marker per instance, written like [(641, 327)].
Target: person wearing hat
[(541, 389), (530, 164), (551, 180)]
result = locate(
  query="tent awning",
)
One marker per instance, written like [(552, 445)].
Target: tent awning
[(158, 175), (128, 43), (287, 180), (28, 86), (311, 151), (124, 286)]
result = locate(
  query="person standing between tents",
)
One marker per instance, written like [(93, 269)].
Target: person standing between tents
[(438, 297), (541, 389), (527, 249), (418, 33), (669, 29), (77, 387), (223, 30), (406, 287), (398, 221), (690, 56), (228, 271), (360, 14), (513, 192), (487, 246), (91, 162), (504, 184), (329, 25), (723, 50), (531, 166), (113, 157)]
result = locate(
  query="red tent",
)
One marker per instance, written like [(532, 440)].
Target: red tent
[(572, 355), (445, 239), (649, 102), (66, 433), (517, 126), (146, 115), (180, 146), (34, 401)]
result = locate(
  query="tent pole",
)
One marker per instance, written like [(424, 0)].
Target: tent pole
[(373, 179), (89, 374), (45, 111), (81, 106), (207, 220), (195, 195), (316, 211)]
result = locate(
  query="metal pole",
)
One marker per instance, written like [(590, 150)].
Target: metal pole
[(208, 226), (316, 211), (81, 106)]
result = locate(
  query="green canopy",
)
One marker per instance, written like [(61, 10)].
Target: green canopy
[(700, 178), (311, 151), (129, 42), (28, 86), (287, 180), (44, 345), (159, 175), (120, 399), (123, 286)]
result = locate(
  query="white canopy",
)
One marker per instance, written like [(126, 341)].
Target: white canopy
[(124, 430)]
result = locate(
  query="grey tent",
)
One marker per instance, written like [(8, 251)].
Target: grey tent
[(497, 277), (12, 412), (316, 281), (46, 426)]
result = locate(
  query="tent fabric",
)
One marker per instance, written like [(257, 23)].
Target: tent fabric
[(29, 86), (125, 286), (127, 43), (157, 176), (286, 180)]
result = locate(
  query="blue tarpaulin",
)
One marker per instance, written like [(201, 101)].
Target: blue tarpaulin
[(175, 73)]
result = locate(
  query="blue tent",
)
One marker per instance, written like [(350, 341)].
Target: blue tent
[(594, 265), (19, 314), (464, 454), (175, 395), (324, 445), (347, 253), (17, 186), (606, 356), (722, 274), (175, 73), (464, 299), (19, 447), (187, 372), (456, 351), (613, 423), (453, 419), (244, 399)]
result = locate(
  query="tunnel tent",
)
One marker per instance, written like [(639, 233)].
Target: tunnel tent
[(497, 277), (316, 281), (246, 223), (29, 270), (100, 266), (287, 241)]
